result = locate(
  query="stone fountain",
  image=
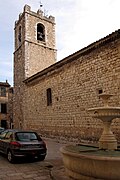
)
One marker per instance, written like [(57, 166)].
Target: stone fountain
[(89, 162), (106, 114)]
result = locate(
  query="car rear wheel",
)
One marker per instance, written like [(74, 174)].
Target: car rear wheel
[(41, 158), (10, 156)]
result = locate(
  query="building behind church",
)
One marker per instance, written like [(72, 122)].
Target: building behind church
[(6, 105), (53, 97)]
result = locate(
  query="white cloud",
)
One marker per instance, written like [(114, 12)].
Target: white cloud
[(90, 21)]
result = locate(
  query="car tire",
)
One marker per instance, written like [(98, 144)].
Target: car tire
[(41, 158), (10, 157)]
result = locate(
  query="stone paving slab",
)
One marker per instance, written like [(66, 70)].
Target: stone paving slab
[(40, 170)]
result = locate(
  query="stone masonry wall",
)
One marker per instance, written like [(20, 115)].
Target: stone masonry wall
[(19, 65), (75, 88)]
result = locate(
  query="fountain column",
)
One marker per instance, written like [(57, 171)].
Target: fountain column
[(107, 139)]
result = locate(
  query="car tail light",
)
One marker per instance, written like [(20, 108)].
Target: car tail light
[(44, 144), (14, 143)]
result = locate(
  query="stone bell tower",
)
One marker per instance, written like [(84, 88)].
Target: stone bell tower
[(34, 41), (34, 50)]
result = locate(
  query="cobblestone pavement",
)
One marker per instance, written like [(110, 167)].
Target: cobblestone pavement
[(50, 169)]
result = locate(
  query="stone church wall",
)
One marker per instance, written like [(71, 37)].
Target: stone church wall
[(75, 87)]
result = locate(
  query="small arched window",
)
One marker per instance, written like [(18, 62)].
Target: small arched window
[(19, 33), (40, 32)]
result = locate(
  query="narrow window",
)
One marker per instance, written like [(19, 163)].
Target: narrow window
[(40, 32), (49, 97), (19, 34), (3, 108), (3, 91), (100, 91)]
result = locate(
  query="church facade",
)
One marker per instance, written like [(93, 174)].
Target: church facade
[(53, 97)]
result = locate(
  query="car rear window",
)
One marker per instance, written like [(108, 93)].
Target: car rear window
[(26, 136), (1, 129)]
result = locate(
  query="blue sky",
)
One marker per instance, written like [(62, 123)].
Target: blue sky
[(78, 23)]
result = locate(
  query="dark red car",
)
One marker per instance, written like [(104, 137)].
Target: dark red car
[(18, 143)]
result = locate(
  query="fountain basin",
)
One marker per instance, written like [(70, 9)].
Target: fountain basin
[(104, 113), (90, 163)]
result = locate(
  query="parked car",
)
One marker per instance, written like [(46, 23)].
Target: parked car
[(18, 143), (1, 129)]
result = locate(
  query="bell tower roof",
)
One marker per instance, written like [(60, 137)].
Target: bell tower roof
[(39, 14)]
